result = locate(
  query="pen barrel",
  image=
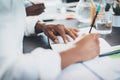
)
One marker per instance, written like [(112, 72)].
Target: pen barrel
[(92, 13), (110, 53), (94, 19)]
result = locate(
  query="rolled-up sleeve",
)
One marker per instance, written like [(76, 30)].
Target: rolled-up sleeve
[(41, 64), (30, 25)]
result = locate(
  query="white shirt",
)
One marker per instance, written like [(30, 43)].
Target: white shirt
[(40, 64)]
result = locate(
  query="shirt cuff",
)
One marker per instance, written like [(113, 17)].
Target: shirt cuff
[(30, 25)]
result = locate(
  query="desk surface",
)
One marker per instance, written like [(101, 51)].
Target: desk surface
[(114, 38), (91, 70), (105, 68), (33, 42)]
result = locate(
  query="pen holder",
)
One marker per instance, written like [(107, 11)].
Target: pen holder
[(92, 13)]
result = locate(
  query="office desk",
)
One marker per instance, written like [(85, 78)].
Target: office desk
[(30, 43), (114, 38), (105, 68), (100, 68)]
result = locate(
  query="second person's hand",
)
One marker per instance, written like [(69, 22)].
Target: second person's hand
[(52, 30)]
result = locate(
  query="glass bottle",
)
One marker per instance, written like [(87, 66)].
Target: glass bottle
[(83, 12)]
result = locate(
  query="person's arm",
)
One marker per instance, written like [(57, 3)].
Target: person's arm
[(40, 64), (85, 49), (46, 64)]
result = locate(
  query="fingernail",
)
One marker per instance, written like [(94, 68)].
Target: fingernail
[(66, 41), (56, 41)]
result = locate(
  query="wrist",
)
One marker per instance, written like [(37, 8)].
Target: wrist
[(69, 57), (39, 27)]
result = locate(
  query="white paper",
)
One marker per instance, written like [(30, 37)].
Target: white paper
[(100, 68), (77, 72), (107, 68), (104, 46)]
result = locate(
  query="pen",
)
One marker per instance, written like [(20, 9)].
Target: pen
[(92, 3), (48, 20), (97, 11), (110, 53)]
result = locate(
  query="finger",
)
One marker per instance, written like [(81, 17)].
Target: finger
[(71, 34), (96, 49), (53, 37), (61, 31), (97, 41), (84, 34), (74, 32), (94, 36), (98, 45)]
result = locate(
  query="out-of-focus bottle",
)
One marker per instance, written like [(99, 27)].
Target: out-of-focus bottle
[(83, 9)]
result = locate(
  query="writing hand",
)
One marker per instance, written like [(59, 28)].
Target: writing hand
[(85, 49)]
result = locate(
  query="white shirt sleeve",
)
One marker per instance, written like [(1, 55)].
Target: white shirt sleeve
[(41, 64), (30, 25)]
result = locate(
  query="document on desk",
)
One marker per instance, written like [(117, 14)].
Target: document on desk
[(100, 68), (103, 68), (107, 68), (104, 46), (77, 72)]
